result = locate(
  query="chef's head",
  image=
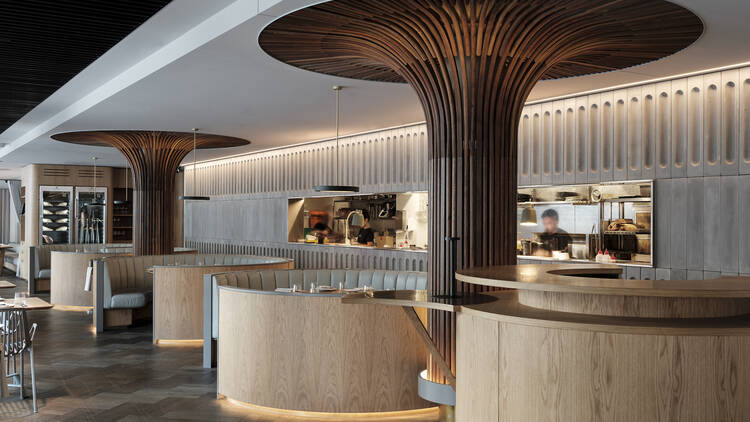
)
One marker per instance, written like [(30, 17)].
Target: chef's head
[(550, 219)]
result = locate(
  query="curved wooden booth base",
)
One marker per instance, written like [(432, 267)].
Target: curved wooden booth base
[(312, 353), (68, 273), (178, 297), (569, 348), (68, 276)]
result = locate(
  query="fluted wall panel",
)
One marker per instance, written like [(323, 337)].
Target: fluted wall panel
[(250, 192), (392, 160), (690, 134)]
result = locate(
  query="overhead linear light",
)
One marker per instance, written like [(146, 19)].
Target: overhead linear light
[(95, 202), (337, 188), (528, 216), (194, 197)]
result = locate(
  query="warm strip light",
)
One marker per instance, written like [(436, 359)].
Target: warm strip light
[(539, 101), (167, 342), (72, 308), (400, 415), (639, 83), (240, 156)]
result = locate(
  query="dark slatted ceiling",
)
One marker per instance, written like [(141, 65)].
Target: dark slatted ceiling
[(45, 43)]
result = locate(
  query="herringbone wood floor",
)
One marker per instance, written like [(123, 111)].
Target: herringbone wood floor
[(116, 376)]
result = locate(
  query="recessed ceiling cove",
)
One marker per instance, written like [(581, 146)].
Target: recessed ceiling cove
[(44, 44)]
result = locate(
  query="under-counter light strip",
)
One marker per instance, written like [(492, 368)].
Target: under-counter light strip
[(399, 415), (167, 342)]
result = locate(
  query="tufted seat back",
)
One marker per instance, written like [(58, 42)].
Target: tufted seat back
[(271, 279), (43, 253)]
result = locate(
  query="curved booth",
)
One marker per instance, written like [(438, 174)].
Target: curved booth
[(123, 286), (68, 276), (178, 291), (574, 342), (68, 267), (270, 280), (311, 353), (38, 265)]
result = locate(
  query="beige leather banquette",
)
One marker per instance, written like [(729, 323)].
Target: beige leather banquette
[(270, 280), (40, 259), (125, 282)]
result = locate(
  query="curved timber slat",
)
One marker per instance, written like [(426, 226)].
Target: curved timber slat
[(154, 157)]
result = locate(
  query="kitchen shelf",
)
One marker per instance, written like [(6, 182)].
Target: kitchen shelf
[(122, 213), (555, 203), (626, 200)]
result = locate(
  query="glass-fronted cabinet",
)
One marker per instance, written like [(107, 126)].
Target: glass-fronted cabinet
[(55, 204), (91, 215)]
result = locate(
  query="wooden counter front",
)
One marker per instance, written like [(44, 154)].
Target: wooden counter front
[(178, 297), (316, 354), (567, 347)]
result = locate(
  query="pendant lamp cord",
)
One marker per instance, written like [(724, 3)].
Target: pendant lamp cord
[(338, 169), (94, 158), (195, 131)]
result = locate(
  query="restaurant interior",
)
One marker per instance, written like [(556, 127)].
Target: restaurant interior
[(391, 210)]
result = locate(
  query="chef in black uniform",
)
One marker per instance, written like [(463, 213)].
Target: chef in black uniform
[(366, 236), (554, 238)]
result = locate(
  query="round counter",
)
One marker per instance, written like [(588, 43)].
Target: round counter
[(312, 353), (178, 296), (574, 342)]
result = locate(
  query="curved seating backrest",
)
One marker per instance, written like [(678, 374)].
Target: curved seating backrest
[(271, 279), (44, 252), (123, 273)]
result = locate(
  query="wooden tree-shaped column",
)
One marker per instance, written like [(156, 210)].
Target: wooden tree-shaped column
[(473, 63), (154, 157)]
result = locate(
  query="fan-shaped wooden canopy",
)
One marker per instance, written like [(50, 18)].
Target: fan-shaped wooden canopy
[(375, 39), (154, 157), (473, 63)]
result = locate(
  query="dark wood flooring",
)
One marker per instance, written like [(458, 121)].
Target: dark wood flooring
[(116, 376)]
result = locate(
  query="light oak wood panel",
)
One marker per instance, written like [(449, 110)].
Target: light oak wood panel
[(316, 354), (548, 374), (477, 389), (69, 276), (582, 278), (178, 298), (507, 309), (118, 318)]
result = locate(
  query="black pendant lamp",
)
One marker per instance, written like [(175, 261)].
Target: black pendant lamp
[(336, 188), (96, 202), (194, 197)]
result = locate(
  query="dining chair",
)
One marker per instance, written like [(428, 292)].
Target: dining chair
[(16, 340)]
